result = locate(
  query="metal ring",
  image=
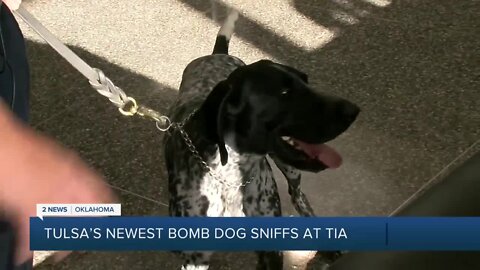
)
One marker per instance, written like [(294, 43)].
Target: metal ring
[(133, 109), (166, 123)]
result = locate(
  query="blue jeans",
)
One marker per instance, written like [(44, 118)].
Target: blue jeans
[(14, 91)]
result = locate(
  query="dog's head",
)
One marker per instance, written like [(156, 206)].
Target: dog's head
[(269, 108)]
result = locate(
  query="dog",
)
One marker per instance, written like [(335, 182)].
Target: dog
[(228, 117)]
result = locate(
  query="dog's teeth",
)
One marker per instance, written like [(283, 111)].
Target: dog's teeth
[(288, 140)]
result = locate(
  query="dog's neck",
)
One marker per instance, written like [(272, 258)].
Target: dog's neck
[(205, 138)]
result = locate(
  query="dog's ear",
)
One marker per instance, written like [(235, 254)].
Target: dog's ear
[(220, 128), (214, 107)]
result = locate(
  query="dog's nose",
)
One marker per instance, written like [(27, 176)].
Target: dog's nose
[(348, 111)]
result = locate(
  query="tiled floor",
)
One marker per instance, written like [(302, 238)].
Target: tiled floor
[(411, 65)]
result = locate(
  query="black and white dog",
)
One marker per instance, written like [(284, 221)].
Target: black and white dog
[(230, 117)]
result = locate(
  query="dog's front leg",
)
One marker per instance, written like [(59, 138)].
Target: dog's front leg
[(297, 197), (196, 260), (269, 260), (186, 201), (300, 259)]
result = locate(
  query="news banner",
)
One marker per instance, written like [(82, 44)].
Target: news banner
[(101, 227)]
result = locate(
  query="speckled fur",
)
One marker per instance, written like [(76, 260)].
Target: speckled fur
[(297, 197), (194, 192)]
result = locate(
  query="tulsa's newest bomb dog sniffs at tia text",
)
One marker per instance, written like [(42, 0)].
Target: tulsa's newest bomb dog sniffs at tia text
[(230, 117), (141, 233)]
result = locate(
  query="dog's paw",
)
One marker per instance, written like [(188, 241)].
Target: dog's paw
[(297, 259)]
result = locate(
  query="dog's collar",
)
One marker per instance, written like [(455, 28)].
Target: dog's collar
[(179, 126)]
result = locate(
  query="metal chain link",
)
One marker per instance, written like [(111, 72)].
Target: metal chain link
[(196, 154)]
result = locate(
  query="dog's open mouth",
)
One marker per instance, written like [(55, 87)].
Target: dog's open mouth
[(320, 152)]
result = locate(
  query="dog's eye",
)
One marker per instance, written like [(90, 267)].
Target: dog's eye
[(285, 91)]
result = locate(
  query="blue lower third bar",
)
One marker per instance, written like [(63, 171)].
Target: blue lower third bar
[(243, 234)]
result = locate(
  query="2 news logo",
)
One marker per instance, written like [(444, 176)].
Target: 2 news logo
[(78, 210), (54, 209)]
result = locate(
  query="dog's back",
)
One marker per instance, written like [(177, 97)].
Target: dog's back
[(203, 73)]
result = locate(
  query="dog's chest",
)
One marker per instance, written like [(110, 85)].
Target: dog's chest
[(242, 178), (227, 186)]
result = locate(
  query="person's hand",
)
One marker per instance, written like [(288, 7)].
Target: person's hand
[(12, 4), (34, 169)]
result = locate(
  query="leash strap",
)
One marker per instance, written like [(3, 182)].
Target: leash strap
[(104, 86), (56, 44)]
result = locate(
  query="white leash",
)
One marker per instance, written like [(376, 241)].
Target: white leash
[(126, 105), (56, 44)]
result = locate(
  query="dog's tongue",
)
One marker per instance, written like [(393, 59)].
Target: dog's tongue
[(326, 154)]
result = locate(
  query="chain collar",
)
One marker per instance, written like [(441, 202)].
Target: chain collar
[(164, 124), (196, 154)]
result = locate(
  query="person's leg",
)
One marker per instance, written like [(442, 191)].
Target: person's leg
[(14, 70), (14, 91)]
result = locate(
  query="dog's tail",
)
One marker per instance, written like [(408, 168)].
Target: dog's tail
[(225, 33)]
